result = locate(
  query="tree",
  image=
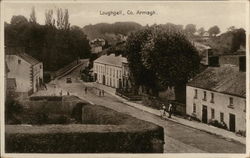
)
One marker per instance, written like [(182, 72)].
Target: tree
[(62, 19), (190, 29), (49, 21), (213, 31), (239, 39), (33, 16), (201, 31), (18, 20), (155, 55), (231, 28)]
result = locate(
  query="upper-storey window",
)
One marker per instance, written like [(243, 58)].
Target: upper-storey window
[(195, 93), (204, 95), (231, 101), (212, 98)]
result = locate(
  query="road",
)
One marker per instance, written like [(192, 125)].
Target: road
[(178, 138)]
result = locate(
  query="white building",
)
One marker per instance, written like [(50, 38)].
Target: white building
[(27, 71), (219, 93), (108, 70)]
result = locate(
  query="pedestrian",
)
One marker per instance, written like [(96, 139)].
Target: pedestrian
[(164, 109), (67, 93), (102, 92), (170, 110), (86, 90)]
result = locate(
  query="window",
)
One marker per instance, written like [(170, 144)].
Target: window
[(212, 98), (231, 101), (212, 113), (19, 61), (221, 117), (194, 108), (195, 93), (205, 96)]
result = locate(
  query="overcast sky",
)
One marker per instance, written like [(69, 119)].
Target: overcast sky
[(202, 14)]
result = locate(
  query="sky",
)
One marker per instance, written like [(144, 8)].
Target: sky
[(202, 14)]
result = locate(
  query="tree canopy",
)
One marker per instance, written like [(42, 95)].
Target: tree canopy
[(190, 29), (213, 31), (55, 47), (161, 56)]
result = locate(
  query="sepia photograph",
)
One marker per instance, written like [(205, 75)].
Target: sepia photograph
[(110, 77)]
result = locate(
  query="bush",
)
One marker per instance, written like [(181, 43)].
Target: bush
[(46, 77), (218, 124), (241, 133), (48, 98), (12, 109)]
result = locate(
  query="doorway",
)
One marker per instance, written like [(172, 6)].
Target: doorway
[(232, 122), (204, 114)]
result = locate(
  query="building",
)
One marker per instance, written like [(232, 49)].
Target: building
[(111, 70), (219, 93), (24, 69), (96, 45)]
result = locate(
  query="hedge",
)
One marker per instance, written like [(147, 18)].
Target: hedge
[(82, 139), (103, 131)]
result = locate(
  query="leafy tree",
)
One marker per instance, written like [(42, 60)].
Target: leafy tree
[(231, 28), (213, 31), (239, 39), (32, 16), (155, 55), (54, 47), (190, 29), (18, 20), (201, 31)]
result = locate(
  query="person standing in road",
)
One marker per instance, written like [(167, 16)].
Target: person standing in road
[(170, 110), (102, 92), (86, 90), (164, 109)]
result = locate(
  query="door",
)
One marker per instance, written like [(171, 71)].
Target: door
[(103, 80), (232, 122), (204, 114)]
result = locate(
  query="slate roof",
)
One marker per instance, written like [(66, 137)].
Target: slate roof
[(111, 60), (227, 79), (19, 51)]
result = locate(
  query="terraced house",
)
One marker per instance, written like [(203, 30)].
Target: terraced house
[(24, 69), (219, 93), (111, 70)]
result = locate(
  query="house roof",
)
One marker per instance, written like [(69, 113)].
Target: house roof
[(21, 53), (11, 83), (111, 60), (227, 79)]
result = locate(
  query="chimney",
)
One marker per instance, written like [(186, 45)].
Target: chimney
[(242, 63)]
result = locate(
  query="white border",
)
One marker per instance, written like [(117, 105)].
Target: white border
[(176, 155)]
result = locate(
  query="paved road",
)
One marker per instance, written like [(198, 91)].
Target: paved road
[(178, 138)]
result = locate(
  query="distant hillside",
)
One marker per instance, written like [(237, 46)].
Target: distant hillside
[(110, 31)]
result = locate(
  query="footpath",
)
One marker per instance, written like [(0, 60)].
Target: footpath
[(197, 125)]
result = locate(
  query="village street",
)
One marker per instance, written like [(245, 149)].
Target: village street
[(178, 138)]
